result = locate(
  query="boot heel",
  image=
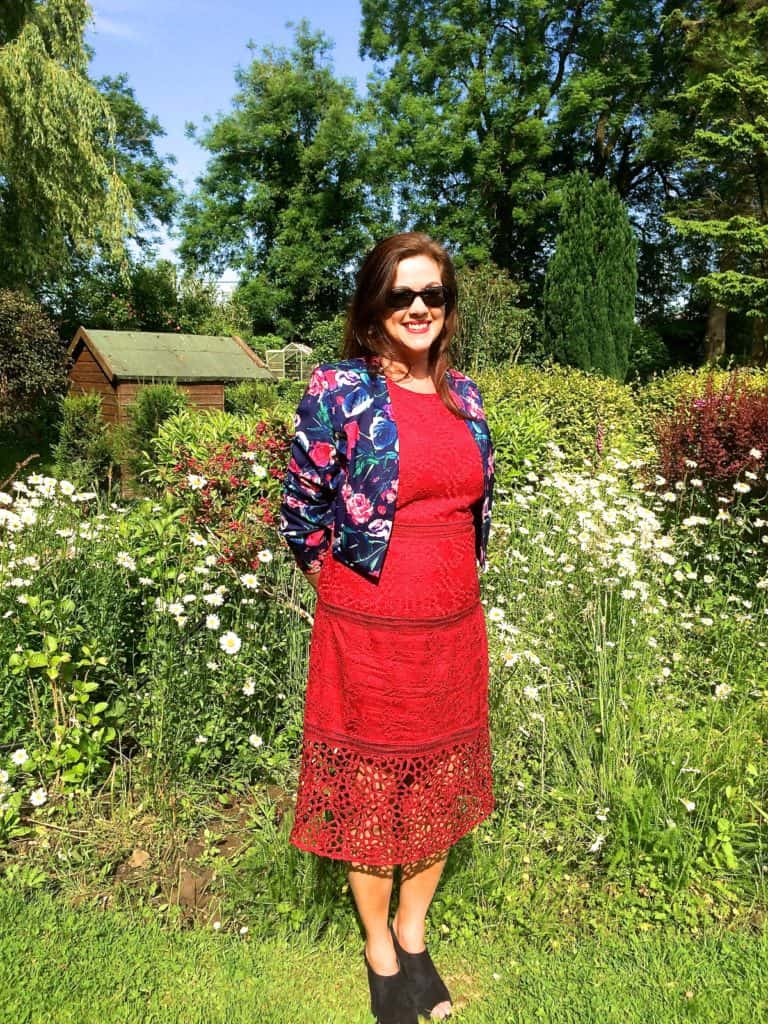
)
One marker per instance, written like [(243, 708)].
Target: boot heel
[(390, 1001)]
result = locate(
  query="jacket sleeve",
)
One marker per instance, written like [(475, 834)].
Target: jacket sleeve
[(312, 478), (483, 512)]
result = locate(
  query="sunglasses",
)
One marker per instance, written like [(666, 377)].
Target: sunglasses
[(403, 298)]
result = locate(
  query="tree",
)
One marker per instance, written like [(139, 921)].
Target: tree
[(151, 296), (725, 163), (589, 290), (97, 289), (32, 359), (486, 108), (60, 191), (286, 198), (155, 191)]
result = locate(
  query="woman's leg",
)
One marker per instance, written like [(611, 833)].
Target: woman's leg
[(417, 887), (372, 890)]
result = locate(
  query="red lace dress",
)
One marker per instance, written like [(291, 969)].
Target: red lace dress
[(396, 760)]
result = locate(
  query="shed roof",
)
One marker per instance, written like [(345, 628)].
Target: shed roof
[(143, 355)]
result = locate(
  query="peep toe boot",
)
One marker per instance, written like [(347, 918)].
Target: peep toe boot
[(425, 985), (390, 1000)]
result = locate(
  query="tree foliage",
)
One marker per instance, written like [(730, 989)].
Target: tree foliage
[(725, 160), (493, 329), (286, 197), (60, 189), (486, 108), (148, 176), (589, 291), (153, 296), (32, 359)]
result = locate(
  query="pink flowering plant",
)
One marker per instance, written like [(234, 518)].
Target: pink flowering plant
[(232, 492)]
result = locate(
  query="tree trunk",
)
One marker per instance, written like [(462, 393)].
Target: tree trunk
[(759, 350), (714, 340)]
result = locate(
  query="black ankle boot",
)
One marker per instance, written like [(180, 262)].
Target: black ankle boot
[(390, 1001), (425, 985)]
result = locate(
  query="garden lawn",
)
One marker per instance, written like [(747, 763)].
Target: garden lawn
[(59, 964)]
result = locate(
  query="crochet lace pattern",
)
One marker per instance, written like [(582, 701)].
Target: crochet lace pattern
[(383, 808)]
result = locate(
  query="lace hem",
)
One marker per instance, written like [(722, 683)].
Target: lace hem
[(384, 807)]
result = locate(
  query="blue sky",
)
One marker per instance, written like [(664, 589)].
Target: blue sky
[(180, 55)]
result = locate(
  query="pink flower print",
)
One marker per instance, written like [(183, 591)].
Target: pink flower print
[(352, 430), (317, 384), (313, 539), (321, 452), (359, 508)]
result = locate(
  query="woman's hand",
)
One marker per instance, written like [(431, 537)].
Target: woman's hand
[(312, 578)]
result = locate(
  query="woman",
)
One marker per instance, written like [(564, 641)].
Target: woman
[(386, 508)]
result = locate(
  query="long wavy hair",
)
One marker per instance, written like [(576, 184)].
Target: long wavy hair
[(364, 333)]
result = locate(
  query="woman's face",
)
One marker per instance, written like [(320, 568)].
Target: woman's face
[(413, 330)]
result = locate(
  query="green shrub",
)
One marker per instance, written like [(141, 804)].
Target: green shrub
[(260, 343), (492, 329), (248, 396), (572, 402), (153, 405), (32, 365), (520, 434), (647, 354), (326, 338), (84, 451)]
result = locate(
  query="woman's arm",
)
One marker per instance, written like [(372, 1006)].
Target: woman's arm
[(311, 480)]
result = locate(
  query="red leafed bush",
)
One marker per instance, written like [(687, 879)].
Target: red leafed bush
[(721, 430), (230, 500)]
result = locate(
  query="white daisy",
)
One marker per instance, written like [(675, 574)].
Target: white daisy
[(230, 642)]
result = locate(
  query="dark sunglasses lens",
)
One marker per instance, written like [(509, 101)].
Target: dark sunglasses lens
[(402, 298), (434, 296)]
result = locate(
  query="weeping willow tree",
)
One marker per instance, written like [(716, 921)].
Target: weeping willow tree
[(60, 193)]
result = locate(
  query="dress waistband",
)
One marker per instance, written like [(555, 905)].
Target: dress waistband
[(442, 529), (396, 622)]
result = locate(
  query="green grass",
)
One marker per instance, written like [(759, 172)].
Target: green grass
[(59, 965)]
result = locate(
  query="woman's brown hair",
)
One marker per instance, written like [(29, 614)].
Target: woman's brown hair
[(364, 334)]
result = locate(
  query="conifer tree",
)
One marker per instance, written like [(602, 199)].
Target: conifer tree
[(591, 280), (725, 162)]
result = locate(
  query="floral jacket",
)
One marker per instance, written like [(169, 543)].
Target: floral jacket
[(340, 487)]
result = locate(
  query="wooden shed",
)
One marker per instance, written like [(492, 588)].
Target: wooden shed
[(118, 363)]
